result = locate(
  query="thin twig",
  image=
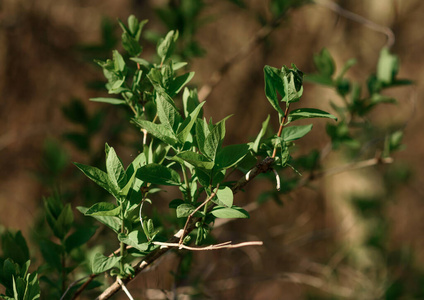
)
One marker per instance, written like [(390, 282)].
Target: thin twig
[(360, 19), (124, 288), (195, 211), (226, 245)]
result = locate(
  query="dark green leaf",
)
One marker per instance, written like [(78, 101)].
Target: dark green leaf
[(178, 83), (112, 222), (79, 237), (14, 247), (158, 174), (99, 177), (103, 209), (273, 82), (214, 139), (229, 156), (64, 222), (196, 160), (184, 210)]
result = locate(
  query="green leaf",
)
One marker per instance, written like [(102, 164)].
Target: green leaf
[(103, 209), (137, 240), (178, 65), (101, 263), (99, 177), (225, 196), (214, 139), (229, 213), (305, 113), (293, 83), (229, 156), (324, 63), (14, 246), (319, 79), (179, 82), (112, 222), (187, 125), (295, 132), (184, 210), (159, 131), (130, 44), (113, 101), (167, 113), (196, 160), (273, 82), (52, 253), (387, 67), (256, 143), (115, 169), (118, 60), (79, 237), (166, 46), (202, 131), (64, 222), (190, 101), (158, 174)]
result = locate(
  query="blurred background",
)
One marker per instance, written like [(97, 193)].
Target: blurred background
[(355, 235)]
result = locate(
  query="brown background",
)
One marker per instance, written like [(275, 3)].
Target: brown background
[(312, 233)]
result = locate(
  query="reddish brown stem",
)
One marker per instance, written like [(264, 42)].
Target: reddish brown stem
[(280, 130)]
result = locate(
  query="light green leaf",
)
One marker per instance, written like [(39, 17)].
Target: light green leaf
[(166, 46), (103, 209), (187, 125), (158, 174), (118, 61), (387, 67), (113, 101), (115, 169), (190, 101), (292, 133), (229, 156), (256, 143), (305, 113), (229, 213), (137, 240), (225, 196), (196, 160), (101, 263), (159, 131), (167, 113), (178, 65)]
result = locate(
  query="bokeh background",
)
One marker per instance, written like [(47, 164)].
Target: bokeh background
[(315, 244)]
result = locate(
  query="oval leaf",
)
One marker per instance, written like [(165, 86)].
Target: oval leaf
[(229, 213), (158, 174)]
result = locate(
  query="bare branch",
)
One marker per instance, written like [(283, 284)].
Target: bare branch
[(226, 245)]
